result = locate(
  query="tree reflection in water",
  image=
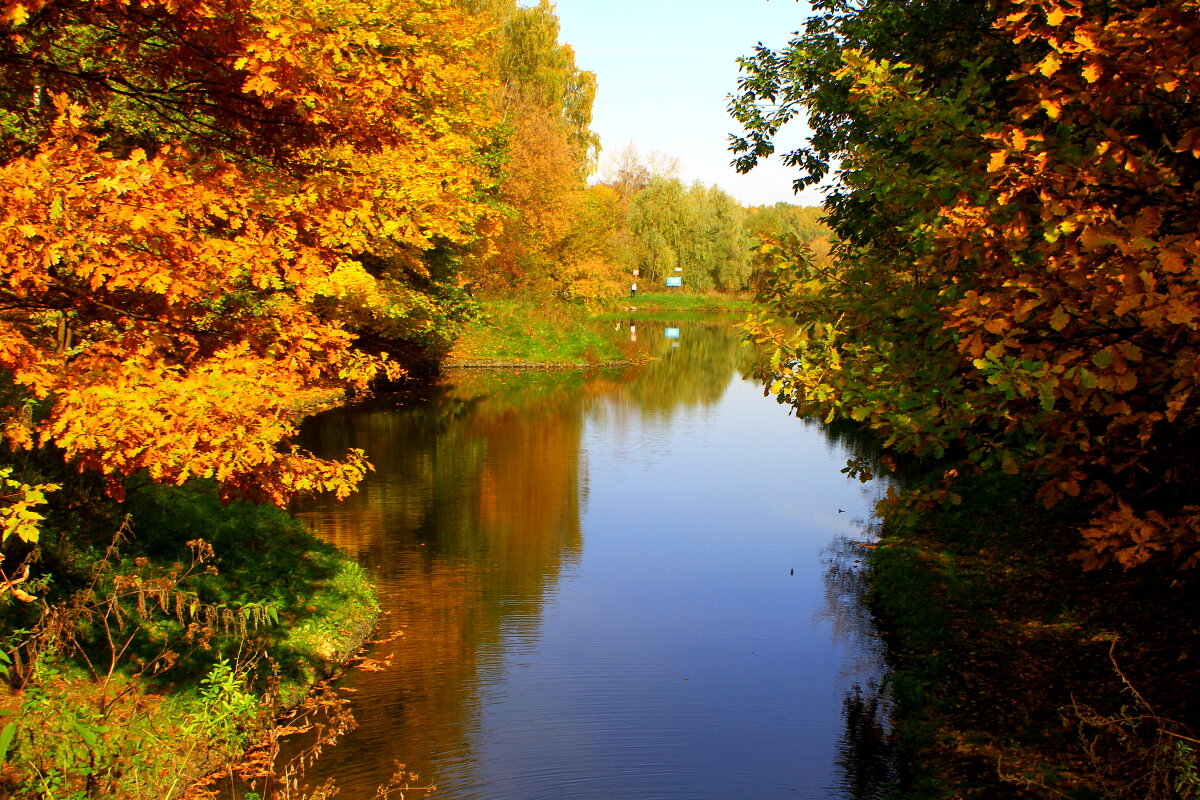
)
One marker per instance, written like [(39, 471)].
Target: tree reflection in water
[(865, 756), (470, 523)]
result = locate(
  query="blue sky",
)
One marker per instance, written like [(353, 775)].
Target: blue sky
[(666, 68)]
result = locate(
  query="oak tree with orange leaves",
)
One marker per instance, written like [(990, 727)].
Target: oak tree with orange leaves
[(189, 191)]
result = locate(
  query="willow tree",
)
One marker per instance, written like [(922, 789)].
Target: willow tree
[(694, 232)]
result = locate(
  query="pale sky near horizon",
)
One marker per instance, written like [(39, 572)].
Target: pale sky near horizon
[(665, 69)]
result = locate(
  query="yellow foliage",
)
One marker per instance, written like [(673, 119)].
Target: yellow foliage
[(174, 301)]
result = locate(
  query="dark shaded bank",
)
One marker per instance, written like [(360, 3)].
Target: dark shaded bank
[(1015, 674), (158, 651)]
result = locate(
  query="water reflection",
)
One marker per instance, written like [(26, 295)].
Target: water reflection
[(472, 511), (680, 653), (846, 584), (696, 372), (865, 755)]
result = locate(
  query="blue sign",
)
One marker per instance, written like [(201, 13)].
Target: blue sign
[(671, 333), (676, 281)]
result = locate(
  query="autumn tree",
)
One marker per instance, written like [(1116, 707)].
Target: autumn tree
[(784, 222), (784, 218), (595, 269), (188, 191), (628, 172), (693, 231), (1017, 276), (1091, 239), (539, 70), (545, 152)]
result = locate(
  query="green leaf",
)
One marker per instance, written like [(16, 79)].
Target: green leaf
[(87, 734), (7, 734)]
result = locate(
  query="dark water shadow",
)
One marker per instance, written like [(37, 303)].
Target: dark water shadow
[(865, 755)]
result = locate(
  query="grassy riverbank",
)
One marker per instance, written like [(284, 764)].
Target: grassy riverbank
[(1018, 675), (150, 659), (517, 331), (513, 330), (680, 301)]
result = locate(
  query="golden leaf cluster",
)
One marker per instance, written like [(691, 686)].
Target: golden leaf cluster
[(181, 232)]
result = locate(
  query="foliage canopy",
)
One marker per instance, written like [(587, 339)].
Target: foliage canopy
[(1017, 283), (187, 191)]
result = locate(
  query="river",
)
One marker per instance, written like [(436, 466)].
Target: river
[(637, 583)]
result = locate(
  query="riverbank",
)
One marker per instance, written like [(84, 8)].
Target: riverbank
[(515, 332), (712, 302), (156, 658), (1015, 674)]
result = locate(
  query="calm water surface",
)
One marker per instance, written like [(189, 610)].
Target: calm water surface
[(635, 584)]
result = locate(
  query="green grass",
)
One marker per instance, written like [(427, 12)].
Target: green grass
[(532, 331), (517, 330), (680, 301), (264, 558), (156, 667)]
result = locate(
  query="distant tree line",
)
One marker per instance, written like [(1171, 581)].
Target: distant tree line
[(697, 232)]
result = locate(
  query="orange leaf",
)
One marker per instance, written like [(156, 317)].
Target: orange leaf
[(1050, 64)]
